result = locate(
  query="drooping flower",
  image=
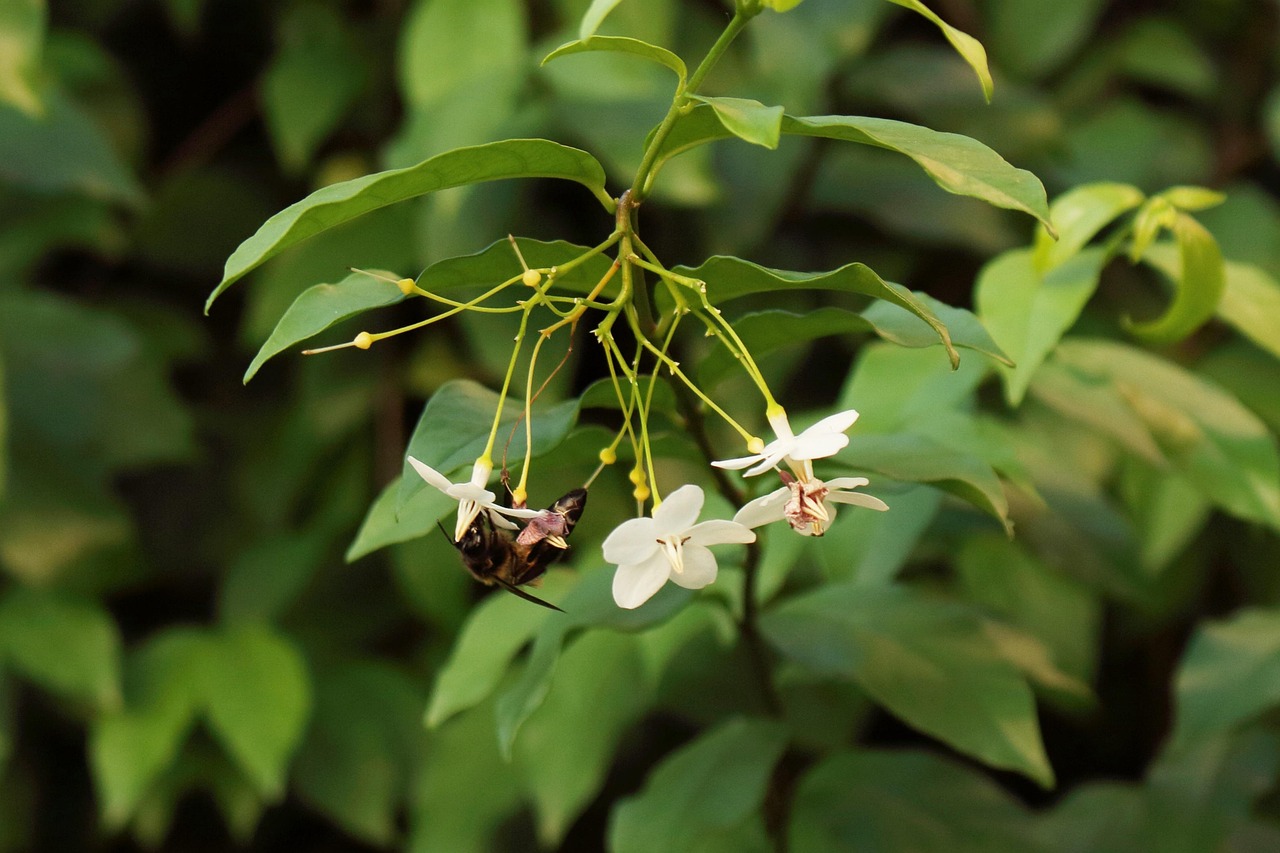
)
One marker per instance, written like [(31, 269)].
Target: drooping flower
[(825, 438), (669, 546), (471, 496), (807, 505)]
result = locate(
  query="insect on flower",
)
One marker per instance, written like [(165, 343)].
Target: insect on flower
[(495, 557)]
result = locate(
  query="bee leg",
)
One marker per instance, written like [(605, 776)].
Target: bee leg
[(515, 590)]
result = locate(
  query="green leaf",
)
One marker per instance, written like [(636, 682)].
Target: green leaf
[(338, 203), (497, 262), (258, 701), (388, 521), (67, 645), (361, 748), (1229, 675), (1033, 38), (1028, 312), (497, 629), (1199, 286), (1218, 444), (567, 746), (129, 750), (1097, 403), (928, 661), (703, 789), (267, 577), (438, 53), (1078, 215), (750, 121), (956, 163), (910, 800), (63, 150), (324, 305), (969, 48), (22, 32), (590, 604), (919, 459), (905, 329), (313, 79), (730, 278), (594, 17), (1193, 198), (618, 44)]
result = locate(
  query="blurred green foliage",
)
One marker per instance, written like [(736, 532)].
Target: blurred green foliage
[(187, 661)]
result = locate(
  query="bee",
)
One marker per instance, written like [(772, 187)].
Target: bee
[(495, 557)]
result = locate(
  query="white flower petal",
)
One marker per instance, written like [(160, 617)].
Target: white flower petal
[(632, 541), (857, 499), (839, 422), (498, 521), (738, 463), (699, 568), (431, 475), (847, 482), (467, 512), (470, 492), (635, 584), (818, 446), (719, 532), (765, 509), (770, 461), (678, 512), (523, 512)]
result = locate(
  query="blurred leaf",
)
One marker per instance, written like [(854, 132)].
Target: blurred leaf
[(445, 44), (567, 746), (966, 45), (1098, 817), (1249, 373), (1126, 140), (338, 203), (1097, 403), (870, 548), (919, 459), (259, 699), (1078, 215), (1229, 674), (455, 427), (6, 721), (1199, 286), (879, 802), (1160, 52), (703, 789), (497, 629), (389, 522), (22, 29), (635, 47), (359, 754), (730, 278), (1168, 511), (750, 121), (899, 390), (594, 17), (928, 661), (65, 645), (1215, 441), (322, 306), (1032, 38), (130, 749), (62, 150), (266, 577), (313, 79), (589, 604), (1028, 312)]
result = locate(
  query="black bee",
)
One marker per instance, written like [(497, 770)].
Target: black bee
[(497, 558)]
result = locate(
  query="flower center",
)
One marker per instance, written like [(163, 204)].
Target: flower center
[(673, 547)]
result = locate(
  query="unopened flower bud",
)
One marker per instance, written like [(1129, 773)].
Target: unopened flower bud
[(755, 444), (637, 476), (531, 278), (364, 340), (406, 285), (641, 493), (608, 456)]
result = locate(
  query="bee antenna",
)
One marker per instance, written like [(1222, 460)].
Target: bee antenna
[(517, 591), (445, 534)]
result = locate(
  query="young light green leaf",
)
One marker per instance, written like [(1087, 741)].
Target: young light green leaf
[(918, 459), (1229, 674), (324, 305), (929, 661), (956, 163), (903, 800), (1097, 403), (258, 700), (1251, 302), (1198, 288), (594, 17), (1155, 215), (729, 278), (618, 44), (782, 5), (969, 48), (1193, 198), (455, 426), (338, 203), (67, 645), (1217, 443), (750, 121), (1078, 215), (1028, 312), (22, 31), (703, 789)]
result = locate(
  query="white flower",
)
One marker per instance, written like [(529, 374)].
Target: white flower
[(471, 496), (825, 438), (668, 546), (807, 505)]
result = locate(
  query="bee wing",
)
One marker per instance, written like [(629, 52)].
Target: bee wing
[(515, 590)]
